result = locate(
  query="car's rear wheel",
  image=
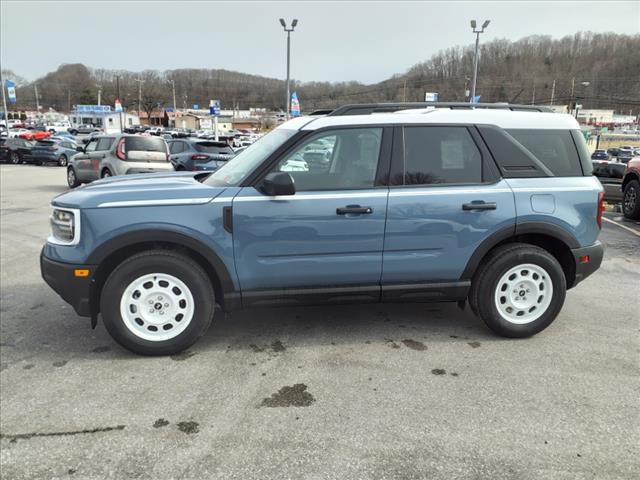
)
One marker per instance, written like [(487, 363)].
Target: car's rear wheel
[(631, 200), (72, 178), (62, 160), (106, 173), (157, 303), (15, 158), (518, 290)]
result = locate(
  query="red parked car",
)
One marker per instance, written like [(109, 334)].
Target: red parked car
[(631, 190), (35, 135)]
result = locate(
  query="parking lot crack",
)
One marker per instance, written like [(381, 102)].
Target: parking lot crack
[(26, 436)]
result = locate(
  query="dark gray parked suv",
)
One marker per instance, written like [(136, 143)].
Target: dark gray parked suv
[(199, 155), (109, 155)]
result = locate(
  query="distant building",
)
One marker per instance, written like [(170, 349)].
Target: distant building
[(101, 116), (595, 117)]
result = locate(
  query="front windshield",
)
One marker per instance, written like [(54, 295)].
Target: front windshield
[(239, 168)]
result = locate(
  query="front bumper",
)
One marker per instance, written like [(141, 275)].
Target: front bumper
[(76, 291), (584, 268)]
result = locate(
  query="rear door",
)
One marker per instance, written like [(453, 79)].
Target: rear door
[(445, 198), (327, 238)]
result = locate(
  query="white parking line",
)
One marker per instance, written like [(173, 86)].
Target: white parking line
[(621, 226)]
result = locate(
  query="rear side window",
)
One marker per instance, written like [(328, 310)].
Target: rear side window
[(176, 147), (554, 148), (440, 155), (207, 147), (104, 144), (145, 144)]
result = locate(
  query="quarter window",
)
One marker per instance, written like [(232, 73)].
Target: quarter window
[(439, 155), (91, 146), (335, 160), (554, 148)]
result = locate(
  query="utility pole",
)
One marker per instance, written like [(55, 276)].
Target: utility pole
[(99, 95), (69, 99), (553, 92), (475, 57), (404, 94), (119, 100), (533, 96), (573, 100), (140, 82), (4, 102), (288, 30), (35, 87)]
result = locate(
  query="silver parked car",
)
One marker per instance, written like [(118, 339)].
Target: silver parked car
[(121, 154)]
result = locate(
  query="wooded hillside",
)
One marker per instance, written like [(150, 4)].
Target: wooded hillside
[(522, 71)]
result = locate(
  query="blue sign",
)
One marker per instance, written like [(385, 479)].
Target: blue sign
[(214, 108), (11, 90), (93, 109), (475, 99), (196, 106)]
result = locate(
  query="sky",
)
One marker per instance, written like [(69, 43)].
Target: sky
[(334, 41)]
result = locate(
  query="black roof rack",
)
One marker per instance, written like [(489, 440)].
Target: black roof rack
[(323, 111), (369, 108)]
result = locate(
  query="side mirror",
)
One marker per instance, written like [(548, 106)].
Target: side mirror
[(80, 149), (278, 183)]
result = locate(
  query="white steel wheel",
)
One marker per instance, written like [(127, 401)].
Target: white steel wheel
[(523, 294), (157, 307)]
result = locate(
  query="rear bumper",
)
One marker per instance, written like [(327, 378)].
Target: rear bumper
[(76, 291), (584, 268)]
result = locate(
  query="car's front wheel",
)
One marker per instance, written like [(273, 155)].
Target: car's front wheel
[(15, 158), (157, 303), (631, 200), (72, 178), (518, 290)]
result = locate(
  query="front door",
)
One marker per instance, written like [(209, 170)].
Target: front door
[(327, 238), (87, 169), (445, 199)]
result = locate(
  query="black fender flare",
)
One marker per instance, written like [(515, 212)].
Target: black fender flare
[(231, 298), (543, 228)]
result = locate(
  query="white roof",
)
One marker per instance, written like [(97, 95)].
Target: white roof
[(501, 118)]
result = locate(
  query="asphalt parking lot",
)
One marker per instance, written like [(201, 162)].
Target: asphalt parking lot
[(349, 392)]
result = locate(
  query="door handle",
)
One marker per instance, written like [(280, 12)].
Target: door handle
[(479, 205), (354, 209)]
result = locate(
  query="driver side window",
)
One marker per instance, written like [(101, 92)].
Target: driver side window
[(342, 159)]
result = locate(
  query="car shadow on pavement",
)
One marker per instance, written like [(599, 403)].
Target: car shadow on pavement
[(47, 325)]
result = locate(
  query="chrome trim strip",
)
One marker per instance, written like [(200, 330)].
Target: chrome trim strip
[(553, 189), (158, 202), (320, 196)]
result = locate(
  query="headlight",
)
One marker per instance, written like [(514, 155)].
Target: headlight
[(65, 226)]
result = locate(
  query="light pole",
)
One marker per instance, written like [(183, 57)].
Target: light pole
[(175, 110), (475, 57), (288, 30)]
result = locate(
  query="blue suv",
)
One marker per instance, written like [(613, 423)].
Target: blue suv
[(493, 205)]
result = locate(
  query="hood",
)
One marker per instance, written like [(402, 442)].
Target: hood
[(164, 187)]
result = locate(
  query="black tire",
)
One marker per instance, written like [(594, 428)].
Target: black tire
[(62, 160), (161, 262), (14, 158), (485, 283), (631, 200), (106, 173), (72, 178)]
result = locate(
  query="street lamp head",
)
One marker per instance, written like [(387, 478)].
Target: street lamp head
[(473, 24), (282, 22), (294, 23), (486, 24)]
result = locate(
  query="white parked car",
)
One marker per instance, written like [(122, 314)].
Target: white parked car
[(58, 127), (16, 132)]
